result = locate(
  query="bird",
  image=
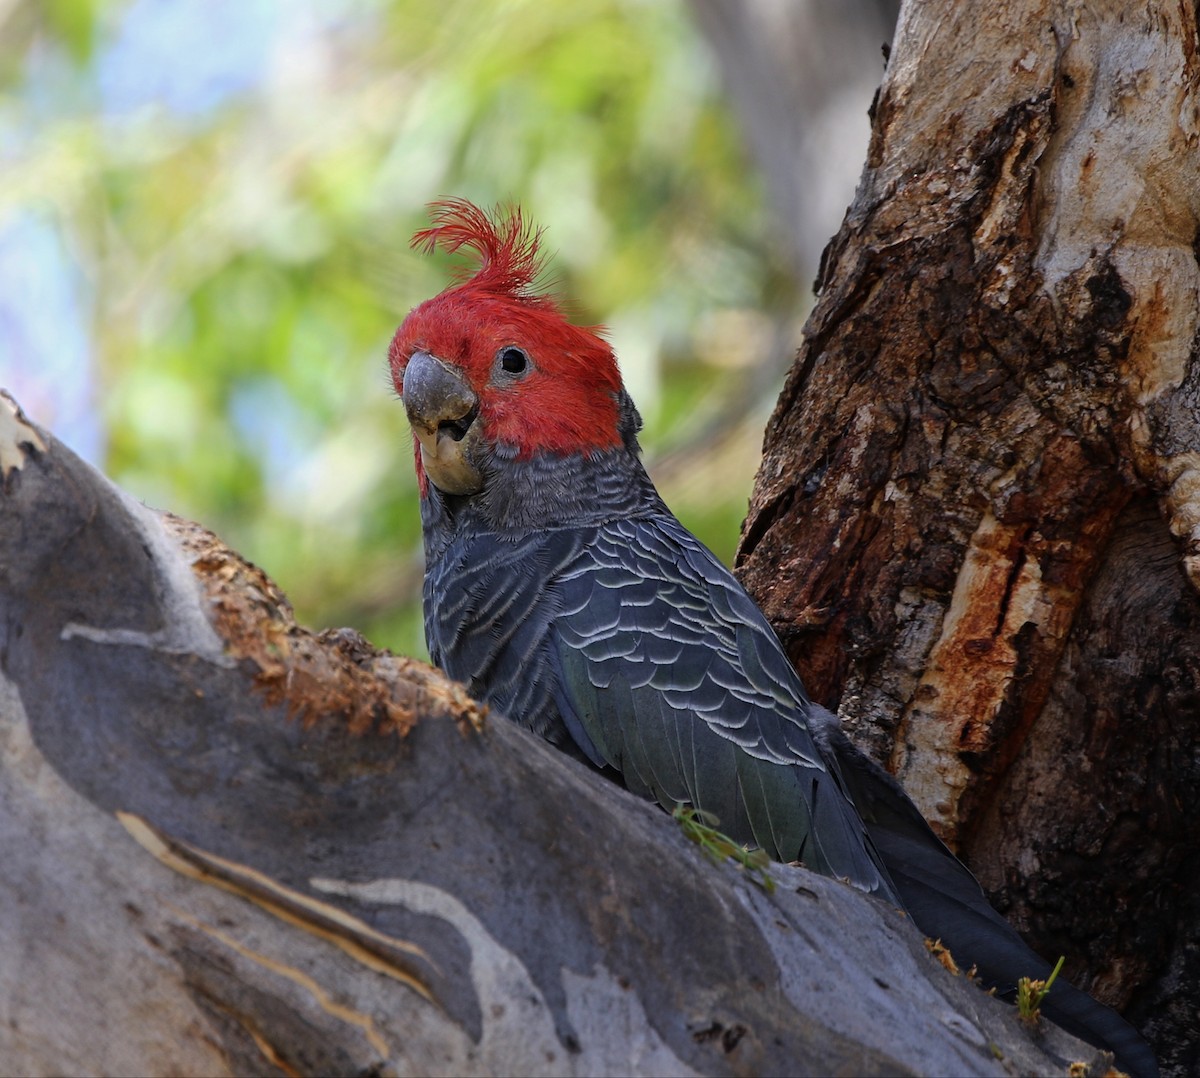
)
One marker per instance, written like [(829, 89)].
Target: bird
[(563, 592)]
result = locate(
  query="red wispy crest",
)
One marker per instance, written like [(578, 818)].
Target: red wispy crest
[(507, 247)]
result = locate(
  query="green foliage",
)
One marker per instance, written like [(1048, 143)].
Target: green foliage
[(701, 828), (74, 23), (245, 265), (1031, 993)]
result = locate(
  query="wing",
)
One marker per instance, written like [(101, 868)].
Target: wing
[(487, 618), (668, 672)]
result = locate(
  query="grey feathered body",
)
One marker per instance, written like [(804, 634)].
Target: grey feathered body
[(569, 598)]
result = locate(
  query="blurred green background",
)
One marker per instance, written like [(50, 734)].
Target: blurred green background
[(204, 221)]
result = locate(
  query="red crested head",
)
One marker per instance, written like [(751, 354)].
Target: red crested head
[(527, 378)]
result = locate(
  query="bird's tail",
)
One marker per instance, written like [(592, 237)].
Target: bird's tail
[(945, 901)]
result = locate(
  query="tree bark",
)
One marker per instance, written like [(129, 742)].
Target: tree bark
[(977, 520), (232, 846)]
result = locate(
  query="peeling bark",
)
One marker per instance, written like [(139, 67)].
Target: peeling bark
[(977, 521)]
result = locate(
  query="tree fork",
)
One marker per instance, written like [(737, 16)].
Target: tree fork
[(234, 846)]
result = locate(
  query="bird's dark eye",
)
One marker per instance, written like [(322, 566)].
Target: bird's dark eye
[(513, 360)]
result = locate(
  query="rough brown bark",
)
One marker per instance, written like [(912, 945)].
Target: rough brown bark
[(976, 521), (232, 846)]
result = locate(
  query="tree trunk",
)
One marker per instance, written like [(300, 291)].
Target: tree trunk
[(798, 72), (233, 847), (977, 520)]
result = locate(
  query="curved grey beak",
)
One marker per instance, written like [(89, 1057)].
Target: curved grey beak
[(442, 409)]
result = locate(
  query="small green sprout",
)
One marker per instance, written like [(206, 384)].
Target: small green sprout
[(1030, 994), (701, 828)]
